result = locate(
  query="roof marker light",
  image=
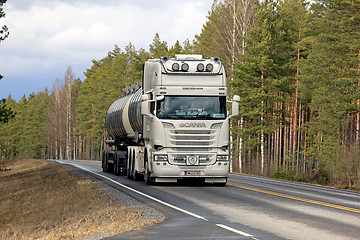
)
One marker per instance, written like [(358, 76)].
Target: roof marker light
[(185, 67), (200, 67), (209, 67), (175, 67)]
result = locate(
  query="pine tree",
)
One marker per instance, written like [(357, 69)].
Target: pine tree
[(188, 47), (5, 112), (158, 48), (6, 127), (331, 74), (176, 49), (266, 80)]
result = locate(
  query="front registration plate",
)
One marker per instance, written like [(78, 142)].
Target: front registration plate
[(192, 173)]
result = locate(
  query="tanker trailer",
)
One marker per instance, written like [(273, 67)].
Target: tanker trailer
[(175, 126), (124, 124)]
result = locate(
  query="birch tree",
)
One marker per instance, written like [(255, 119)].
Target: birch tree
[(69, 82)]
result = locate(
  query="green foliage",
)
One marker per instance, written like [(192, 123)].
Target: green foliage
[(176, 49), (330, 75), (295, 67), (5, 112), (158, 48), (23, 135), (262, 76), (285, 174), (300, 71)]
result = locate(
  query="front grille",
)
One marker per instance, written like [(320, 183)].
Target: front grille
[(195, 137), (192, 131), (175, 137), (188, 143), (192, 149)]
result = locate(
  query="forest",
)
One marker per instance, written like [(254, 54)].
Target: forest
[(294, 63)]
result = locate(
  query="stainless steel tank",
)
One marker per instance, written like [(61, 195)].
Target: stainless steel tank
[(123, 118)]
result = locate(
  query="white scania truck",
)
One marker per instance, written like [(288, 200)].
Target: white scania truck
[(174, 125)]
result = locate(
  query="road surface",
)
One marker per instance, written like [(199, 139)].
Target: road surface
[(247, 208)]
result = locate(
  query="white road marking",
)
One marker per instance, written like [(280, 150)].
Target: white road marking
[(141, 193), (162, 202), (234, 230)]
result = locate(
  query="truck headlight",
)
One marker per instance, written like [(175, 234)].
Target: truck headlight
[(222, 158), (162, 158)]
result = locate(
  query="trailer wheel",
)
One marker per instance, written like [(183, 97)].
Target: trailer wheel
[(104, 162), (116, 166), (109, 167)]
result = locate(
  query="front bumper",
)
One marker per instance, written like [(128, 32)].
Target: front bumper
[(164, 169)]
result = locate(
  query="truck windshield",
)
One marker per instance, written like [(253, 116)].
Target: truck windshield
[(191, 107)]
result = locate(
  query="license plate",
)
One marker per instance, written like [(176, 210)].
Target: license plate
[(192, 173)]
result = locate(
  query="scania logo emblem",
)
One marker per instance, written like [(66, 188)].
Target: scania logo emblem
[(193, 125)]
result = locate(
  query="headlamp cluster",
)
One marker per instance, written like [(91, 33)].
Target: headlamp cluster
[(185, 67), (209, 67)]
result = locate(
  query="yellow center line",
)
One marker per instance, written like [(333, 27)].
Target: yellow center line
[(297, 198)]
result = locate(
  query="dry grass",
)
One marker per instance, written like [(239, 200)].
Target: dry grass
[(41, 200)]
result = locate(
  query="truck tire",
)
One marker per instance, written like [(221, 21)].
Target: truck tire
[(220, 184), (115, 165), (128, 166), (109, 166), (105, 162), (132, 169), (148, 180), (147, 177)]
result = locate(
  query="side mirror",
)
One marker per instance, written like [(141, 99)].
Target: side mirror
[(236, 98), (235, 106), (235, 109)]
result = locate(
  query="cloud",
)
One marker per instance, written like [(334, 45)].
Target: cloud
[(46, 36)]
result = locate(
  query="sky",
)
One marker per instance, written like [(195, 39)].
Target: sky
[(48, 36)]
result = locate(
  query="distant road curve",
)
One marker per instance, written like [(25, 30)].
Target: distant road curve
[(247, 208)]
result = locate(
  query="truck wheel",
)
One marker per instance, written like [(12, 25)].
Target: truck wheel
[(148, 180), (132, 169), (220, 184), (128, 166), (136, 176), (108, 167)]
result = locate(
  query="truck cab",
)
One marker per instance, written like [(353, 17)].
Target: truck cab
[(185, 119)]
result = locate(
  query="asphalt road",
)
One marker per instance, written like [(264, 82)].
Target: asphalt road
[(247, 208)]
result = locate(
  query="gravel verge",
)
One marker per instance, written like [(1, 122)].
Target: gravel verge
[(148, 213)]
